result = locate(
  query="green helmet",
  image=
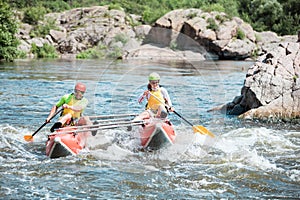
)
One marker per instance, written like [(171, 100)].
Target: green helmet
[(154, 76)]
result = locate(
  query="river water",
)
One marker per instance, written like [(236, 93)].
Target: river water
[(246, 159)]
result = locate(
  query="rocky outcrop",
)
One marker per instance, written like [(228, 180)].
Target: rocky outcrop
[(189, 34), (83, 28), (222, 37), (272, 86)]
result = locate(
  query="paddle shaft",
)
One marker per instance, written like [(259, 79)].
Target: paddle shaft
[(200, 129), (173, 111), (112, 116), (47, 122), (183, 118), (101, 125), (100, 128)]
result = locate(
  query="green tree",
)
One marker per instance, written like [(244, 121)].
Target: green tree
[(34, 14), (263, 15), (290, 22), (8, 29), (266, 11)]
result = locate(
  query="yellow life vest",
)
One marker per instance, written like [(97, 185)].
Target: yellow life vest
[(154, 103), (74, 114)]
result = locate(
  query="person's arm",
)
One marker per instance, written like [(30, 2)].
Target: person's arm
[(56, 106), (53, 110), (167, 98), (143, 95)]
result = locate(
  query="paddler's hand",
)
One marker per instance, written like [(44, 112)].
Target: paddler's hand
[(66, 106), (171, 109), (146, 92)]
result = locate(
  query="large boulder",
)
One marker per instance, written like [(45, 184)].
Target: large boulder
[(228, 38), (272, 86)]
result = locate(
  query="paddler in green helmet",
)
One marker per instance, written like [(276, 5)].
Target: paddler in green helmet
[(73, 106), (156, 96)]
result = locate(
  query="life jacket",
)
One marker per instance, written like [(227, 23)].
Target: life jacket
[(71, 100), (154, 103)]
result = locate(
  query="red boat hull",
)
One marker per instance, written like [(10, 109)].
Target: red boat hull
[(65, 144), (62, 144), (157, 134)]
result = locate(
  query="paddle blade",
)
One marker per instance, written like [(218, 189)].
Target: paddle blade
[(28, 138), (202, 130)]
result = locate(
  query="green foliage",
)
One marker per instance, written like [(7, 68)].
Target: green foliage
[(131, 21), (230, 7), (254, 53), (173, 45), (56, 6), (42, 30), (295, 77), (213, 7), (21, 54), (222, 18), (192, 15), (46, 51), (23, 3), (288, 25), (151, 15), (240, 34), (34, 14), (116, 52), (8, 29), (115, 7), (121, 37), (212, 24), (93, 53), (267, 12), (281, 16), (100, 52)]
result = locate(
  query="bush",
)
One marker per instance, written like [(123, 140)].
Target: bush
[(42, 30), (240, 34), (212, 24), (8, 29), (33, 14), (46, 51), (213, 7), (93, 53), (115, 7), (115, 52), (121, 37), (56, 6)]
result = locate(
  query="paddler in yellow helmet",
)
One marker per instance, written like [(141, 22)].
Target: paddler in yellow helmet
[(73, 106), (156, 96)]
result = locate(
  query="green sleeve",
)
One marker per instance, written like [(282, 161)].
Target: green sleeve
[(65, 99)]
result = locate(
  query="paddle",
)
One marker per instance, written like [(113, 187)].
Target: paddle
[(196, 129), (102, 125), (29, 138), (95, 129), (112, 116)]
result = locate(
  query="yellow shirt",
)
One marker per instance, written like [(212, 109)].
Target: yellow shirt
[(154, 103), (72, 101)]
